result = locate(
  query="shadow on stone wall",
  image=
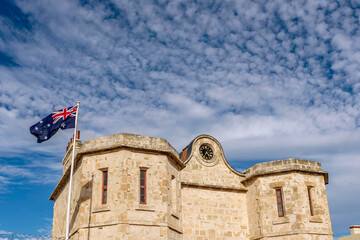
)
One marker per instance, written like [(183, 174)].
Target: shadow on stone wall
[(85, 194)]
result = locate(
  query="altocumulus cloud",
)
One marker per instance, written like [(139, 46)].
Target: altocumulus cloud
[(269, 79)]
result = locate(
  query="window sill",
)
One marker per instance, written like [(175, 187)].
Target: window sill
[(143, 207), (315, 219), (281, 220), (104, 208)]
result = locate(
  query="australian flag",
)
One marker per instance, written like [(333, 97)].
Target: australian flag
[(48, 126)]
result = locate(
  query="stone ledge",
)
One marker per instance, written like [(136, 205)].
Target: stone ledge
[(277, 184), (148, 208), (288, 233), (281, 220), (310, 184), (208, 186), (315, 219), (101, 209)]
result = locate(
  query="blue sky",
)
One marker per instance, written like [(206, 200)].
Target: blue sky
[(269, 79)]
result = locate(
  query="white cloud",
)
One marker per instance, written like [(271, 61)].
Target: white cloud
[(342, 42), (46, 229), (270, 81)]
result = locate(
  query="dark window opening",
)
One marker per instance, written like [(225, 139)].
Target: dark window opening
[(310, 202), (104, 187), (142, 186), (279, 201)]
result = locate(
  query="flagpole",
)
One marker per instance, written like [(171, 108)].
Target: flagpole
[(71, 173)]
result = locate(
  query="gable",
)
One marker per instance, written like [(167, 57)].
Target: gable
[(206, 165)]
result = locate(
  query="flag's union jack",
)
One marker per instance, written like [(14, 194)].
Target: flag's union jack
[(63, 114)]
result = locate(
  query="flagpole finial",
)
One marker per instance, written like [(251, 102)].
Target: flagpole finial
[(78, 102)]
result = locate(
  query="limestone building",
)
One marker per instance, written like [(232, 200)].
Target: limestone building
[(134, 187)]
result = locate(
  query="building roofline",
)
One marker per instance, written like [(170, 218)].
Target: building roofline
[(284, 166)]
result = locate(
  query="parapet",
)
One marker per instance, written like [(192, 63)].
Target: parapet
[(130, 141), (282, 166)]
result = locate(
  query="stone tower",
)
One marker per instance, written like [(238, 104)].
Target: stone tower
[(129, 186)]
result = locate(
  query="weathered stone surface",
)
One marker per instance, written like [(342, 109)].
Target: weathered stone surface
[(195, 198)]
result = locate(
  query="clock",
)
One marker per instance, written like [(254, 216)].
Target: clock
[(206, 152)]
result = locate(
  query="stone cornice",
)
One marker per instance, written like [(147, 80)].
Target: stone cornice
[(209, 186), (130, 141), (283, 166)]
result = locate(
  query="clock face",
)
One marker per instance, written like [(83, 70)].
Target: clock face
[(206, 152)]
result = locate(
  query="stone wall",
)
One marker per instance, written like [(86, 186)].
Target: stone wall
[(214, 214), (194, 199), (59, 213), (60, 206), (160, 216), (213, 198), (293, 177)]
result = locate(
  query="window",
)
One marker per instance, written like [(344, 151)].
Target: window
[(104, 187), (142, 186), (173, 194), (279, 201), (310, 202)]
